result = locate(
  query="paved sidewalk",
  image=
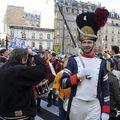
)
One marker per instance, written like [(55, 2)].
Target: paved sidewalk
[(47, 113)]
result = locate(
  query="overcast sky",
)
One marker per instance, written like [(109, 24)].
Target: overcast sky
[(46, 7)]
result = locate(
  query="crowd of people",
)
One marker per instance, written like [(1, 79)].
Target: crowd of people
[(87, 85)]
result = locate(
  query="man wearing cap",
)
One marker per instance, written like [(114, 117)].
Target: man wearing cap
[(89, 99), (115, 50), (16, 80)]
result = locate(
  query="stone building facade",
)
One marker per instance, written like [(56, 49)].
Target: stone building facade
[(70, 10), (26, 26), (109, 35)]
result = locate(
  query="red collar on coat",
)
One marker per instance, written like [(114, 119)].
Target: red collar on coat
[(88, 56)]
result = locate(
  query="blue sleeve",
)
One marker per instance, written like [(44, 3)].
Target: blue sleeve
[(105, 99), (68, 71)]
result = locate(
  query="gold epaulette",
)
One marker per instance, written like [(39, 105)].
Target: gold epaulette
[(108, 66)]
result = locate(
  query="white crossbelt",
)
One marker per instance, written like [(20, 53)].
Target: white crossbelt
[(52, 69)]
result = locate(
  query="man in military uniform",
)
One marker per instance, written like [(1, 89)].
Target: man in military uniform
[(89, 99)]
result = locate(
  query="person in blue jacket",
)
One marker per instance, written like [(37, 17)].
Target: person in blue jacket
[(90, 97)]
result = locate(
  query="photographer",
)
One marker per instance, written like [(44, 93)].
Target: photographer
[(16, 81)]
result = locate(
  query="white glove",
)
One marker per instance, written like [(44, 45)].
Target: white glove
[(31, 52), (118, 113), (105, 116), (57, 92), (84, 72)]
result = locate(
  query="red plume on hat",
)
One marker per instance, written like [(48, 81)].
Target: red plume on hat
[(101, 15), (89, 23)]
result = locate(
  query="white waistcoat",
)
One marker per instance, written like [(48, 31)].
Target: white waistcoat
[(87, 89)]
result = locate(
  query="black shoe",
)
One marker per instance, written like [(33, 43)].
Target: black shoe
[(49, 105), (55, 103), (38, 109)]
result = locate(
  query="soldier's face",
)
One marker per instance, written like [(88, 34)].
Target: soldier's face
[(87, 46)]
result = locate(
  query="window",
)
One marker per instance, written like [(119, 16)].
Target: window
[(106, 38), (117, 24), (112, 22), (41, 35), (57, 32), (112, 15), (106, 46), (73, 11), (33, 35), (23, 35), (48, 45), (61, 9), (118, 39), (106, 31), (112, 39), (40, 46), (33, 44), (12, 33), (118, 31), (113, 31), (67, 9), (48, 36)]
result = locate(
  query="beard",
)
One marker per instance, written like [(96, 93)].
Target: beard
[(87, 50)]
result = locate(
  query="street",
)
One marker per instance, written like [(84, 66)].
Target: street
[(47, 113)]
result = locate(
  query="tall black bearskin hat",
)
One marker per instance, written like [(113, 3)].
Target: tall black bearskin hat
[(89, 23)]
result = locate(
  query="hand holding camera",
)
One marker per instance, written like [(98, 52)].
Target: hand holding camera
[(31, 52)]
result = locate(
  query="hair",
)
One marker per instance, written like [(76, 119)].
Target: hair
[(18, 54), (113, 63), (115, 49), (54, 54), (65, 61), (2, 51), (2, 59)]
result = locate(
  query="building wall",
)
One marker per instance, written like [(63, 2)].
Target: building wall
[(16, 15), (36, 36), (108, 35), (70, 10), (18, 21), (26, 26)]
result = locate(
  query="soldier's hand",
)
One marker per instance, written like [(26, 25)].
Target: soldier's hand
[(57, 92), (31, 52), (105, 116), (118, 114), (85, 73)]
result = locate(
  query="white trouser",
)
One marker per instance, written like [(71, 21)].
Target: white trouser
[(85, 110)]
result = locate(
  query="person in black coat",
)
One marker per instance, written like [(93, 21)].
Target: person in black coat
[(114, 95), (114, 92), (16, 81)]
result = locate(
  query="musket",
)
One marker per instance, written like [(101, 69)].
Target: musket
[(74, 43), (76, 48)]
